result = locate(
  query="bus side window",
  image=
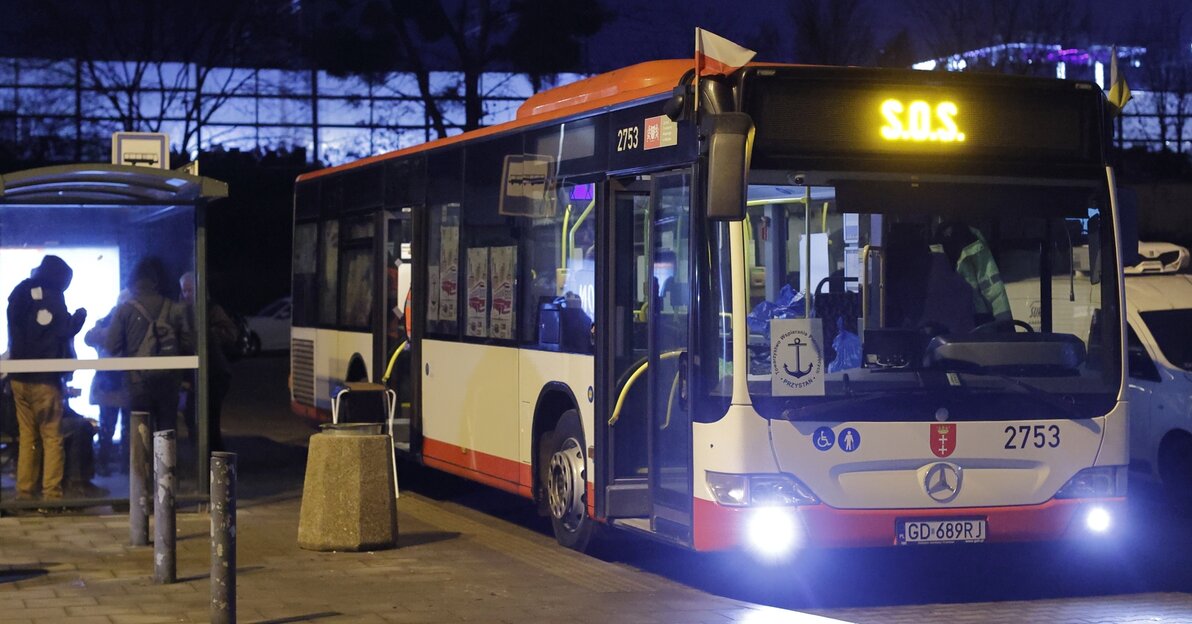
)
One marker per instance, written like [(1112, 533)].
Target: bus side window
[(559, 251)]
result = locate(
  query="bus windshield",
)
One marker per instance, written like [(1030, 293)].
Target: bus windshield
[(948, 301)]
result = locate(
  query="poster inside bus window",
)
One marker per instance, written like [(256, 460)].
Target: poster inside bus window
[(477, 296), (797, 357), (502, 269), (449, 263)]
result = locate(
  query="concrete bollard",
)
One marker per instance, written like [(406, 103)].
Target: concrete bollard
[(165, 568), (138, 479), (348, 495), (223, 538)]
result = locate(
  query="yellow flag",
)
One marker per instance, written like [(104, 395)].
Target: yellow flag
[(1119, 91)]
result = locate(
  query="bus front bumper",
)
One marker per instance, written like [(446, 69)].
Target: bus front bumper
[(717, 527)]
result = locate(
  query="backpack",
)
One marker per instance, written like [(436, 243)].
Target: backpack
[(160, 338)]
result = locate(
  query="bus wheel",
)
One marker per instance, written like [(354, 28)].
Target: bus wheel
[(566, 484), (1175, 468)]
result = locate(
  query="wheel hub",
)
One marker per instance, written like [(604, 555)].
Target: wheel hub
[(565, 484)]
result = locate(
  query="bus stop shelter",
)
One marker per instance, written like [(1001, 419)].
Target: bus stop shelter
[(103, 220)]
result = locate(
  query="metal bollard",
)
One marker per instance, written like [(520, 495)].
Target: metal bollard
[(165, 568), (138, 479), (223, 538)]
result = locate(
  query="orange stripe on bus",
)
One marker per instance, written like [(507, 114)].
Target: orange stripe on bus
[(638, 81), (506, 474)]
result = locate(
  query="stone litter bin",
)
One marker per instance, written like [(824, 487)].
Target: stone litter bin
[(349, 495)]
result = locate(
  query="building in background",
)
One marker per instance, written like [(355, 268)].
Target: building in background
[(1158, 118), (53, 110)]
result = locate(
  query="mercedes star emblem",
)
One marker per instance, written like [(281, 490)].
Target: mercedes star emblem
[(942, 482)]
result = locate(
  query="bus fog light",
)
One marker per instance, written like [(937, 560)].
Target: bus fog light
[(1098, 520), (772, 532)]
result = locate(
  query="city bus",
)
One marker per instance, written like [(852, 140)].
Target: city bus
[(763, 311)]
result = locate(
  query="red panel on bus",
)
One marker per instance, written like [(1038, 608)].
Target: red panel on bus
[(720, 528)]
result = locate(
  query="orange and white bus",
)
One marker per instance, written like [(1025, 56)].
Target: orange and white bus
[(783, 318)]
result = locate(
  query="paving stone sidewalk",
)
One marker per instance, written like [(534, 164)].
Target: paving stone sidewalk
[(452, 565)]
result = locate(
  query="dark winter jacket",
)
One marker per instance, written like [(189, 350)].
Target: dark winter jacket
[(128, 326), (39, 325)]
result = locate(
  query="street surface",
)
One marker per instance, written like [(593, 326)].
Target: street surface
[(471, 554)]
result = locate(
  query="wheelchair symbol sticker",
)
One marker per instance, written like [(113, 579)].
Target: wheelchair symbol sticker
[(823, 438)]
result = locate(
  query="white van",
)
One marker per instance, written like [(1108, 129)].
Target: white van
[(1159, 314), (1159, 339)]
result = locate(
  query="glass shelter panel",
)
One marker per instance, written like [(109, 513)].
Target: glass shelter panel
[(97, 324)]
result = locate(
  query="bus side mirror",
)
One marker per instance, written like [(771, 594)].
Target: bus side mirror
[(730, 141)]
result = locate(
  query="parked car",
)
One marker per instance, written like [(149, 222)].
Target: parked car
[(269, 329), (1159, 355)]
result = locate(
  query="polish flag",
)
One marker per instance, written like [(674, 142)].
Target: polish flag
[(715, 55)]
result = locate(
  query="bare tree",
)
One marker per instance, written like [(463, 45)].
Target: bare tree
[(833, 32), (1167, 70), (468, 37), (149, 62)]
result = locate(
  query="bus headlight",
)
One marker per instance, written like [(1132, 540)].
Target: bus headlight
[(765, 490), (1097, 482)]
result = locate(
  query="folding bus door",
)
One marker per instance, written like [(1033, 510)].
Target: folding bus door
[(643, 360)]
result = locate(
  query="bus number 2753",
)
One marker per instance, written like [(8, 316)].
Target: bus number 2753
[(627, 138), (1038, 436)]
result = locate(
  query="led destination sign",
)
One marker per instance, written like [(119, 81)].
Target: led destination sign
[(920, 121), (803, 122)]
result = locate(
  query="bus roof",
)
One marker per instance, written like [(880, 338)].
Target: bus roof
[(615, 87)]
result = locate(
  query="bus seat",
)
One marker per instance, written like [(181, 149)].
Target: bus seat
[(836, 305), (908, 258), (948, 301)]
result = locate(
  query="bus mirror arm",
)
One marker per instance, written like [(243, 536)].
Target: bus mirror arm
[(729, 139)]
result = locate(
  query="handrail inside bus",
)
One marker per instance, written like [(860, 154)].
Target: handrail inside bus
[(670, 399), (563, 239), (393, 360), (867, 251), (641, 368), (775, 200), (575, 227)]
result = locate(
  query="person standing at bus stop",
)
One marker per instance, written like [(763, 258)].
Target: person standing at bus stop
[(151, 325), (40, 327), (221, 338)]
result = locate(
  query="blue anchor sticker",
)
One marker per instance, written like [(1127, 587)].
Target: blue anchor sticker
[(798, 345)]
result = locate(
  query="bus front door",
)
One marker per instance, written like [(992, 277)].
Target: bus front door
[(394, 253), (645, 362)]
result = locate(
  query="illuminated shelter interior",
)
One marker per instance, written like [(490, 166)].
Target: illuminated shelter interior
[(103, 220)]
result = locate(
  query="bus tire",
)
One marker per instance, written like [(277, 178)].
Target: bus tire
[(1175, 468), (566, 483)]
